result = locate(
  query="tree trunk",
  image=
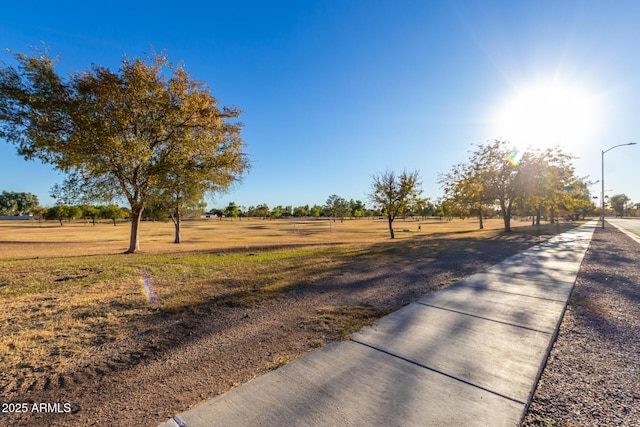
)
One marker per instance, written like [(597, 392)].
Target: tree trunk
[(509, 216), (177, 222), (134, 241), (480, 218), (506, 215), (393, 236), (553, 214)]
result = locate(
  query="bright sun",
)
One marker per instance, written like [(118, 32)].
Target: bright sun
[(543, 115)]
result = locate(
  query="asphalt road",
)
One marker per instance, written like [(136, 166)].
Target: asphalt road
[(631, 227)]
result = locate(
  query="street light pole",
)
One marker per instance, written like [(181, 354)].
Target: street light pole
[(602, 194)]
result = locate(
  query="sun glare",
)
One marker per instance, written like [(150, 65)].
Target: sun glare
[(545, 115)]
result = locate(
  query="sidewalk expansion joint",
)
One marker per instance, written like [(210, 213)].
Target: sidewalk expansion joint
[(453, 377), (561, 300), (544, 280), (486, 318)]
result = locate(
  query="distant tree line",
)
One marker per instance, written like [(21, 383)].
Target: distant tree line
[(10, 206), (15, 203), (88, 213), (335, 207)]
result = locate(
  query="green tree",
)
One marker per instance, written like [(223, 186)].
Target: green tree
[(553, 176), (417, 205), (73, 212), (546, 182), (197, 169), (39, 212), (498, 165), (217, 213), (61, 212), (276, 212), (533, 183), (426, 208), (393, 193), (357, 208), (57, 212), (112, 212), (618, 203), (156, 211), (315, 211), (124, 134), (90, 212), (232, 210), (262, 211), (337, 207), (529, 182), (300, 211), (465, 189), (370, 213), (13, 203)]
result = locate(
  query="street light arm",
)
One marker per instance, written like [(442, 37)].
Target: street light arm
[(602, 194), (619, 145)]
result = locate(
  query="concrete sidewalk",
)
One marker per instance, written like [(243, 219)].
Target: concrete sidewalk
[(468, 355)]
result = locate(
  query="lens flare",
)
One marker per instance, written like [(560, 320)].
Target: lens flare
[(515, 157), (147, 288)]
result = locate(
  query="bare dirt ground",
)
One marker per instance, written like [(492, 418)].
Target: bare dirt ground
[(592, 377), (183, 359)]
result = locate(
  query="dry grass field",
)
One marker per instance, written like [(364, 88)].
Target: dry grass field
[(33, 239), (67, 291)]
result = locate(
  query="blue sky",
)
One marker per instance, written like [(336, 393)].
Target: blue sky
[(334, 91)]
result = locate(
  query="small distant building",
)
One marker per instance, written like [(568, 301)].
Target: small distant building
[(19, 217)]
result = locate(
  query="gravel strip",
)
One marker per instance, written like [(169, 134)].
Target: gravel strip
[(592, 377)]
